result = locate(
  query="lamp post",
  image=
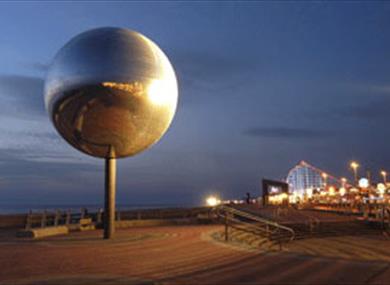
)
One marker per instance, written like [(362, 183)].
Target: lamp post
[(111, 93), (342, 190), (343, 181), (354, 165), (384, 175), (325, 177)]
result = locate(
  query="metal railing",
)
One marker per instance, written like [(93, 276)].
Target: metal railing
[(56, 218), (246, 222), (313, 222)]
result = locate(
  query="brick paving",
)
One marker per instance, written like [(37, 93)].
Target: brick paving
[(170, 255)]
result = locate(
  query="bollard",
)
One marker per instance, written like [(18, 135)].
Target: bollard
[(99, 216), (67, 221), (28, 220), (43, 219), (57, 218)]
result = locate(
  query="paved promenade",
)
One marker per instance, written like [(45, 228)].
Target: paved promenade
[(171, 255)]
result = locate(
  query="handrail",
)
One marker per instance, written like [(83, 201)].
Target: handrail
[(256, 218), (312, 220), (266, 226)]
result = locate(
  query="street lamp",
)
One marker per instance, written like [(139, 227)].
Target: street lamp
[(212, 201), (364, 183), (325, 177), (354, 165), (384, 175), (343, 181), (381, 189)]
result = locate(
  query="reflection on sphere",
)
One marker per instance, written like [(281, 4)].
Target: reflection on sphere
[(111, 92)]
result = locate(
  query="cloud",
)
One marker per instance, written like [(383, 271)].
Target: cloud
[(206, 64), (26, 132), (384, 89), (377, 109), (21, 96), (206, 70), (37, 66), (285, 132)]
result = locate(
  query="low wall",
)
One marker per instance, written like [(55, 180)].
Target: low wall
[(153, 223), (142, 217), (13, 221), (43, 232)]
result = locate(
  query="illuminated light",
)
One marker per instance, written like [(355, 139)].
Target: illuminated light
[(161, 92), (363, 183), (384, 175), (342, 191), (322, 193), (324, 175), (213, 201), (354, 190), (381, 188), (332, 191), (294, 197), (354, 165), (280, 198), (309, 192)]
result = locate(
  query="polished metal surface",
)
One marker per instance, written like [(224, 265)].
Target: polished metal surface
[(111, 92)]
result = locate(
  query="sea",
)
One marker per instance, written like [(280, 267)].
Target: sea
[(25, 208)]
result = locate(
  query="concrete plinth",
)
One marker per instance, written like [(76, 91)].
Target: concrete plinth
[(43, 232)]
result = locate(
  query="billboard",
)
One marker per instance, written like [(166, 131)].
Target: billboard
[(274, 191)]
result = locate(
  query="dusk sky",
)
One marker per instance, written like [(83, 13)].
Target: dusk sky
[(262, 86)]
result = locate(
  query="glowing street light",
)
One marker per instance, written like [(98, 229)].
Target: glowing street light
[(381, 189), (364, 183), (354, 165), (343, 181), (332, 191), (213, 201), (325, 177), (384, 175), (342, 191)]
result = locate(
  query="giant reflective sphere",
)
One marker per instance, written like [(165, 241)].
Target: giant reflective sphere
[(111, 92)]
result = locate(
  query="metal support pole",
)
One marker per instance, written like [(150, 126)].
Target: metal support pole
[(109, 202), (68, 218), (355, 176), (43, 219), (57, 218), (29, 220)]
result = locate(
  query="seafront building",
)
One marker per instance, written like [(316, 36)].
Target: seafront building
[(305, 176)]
